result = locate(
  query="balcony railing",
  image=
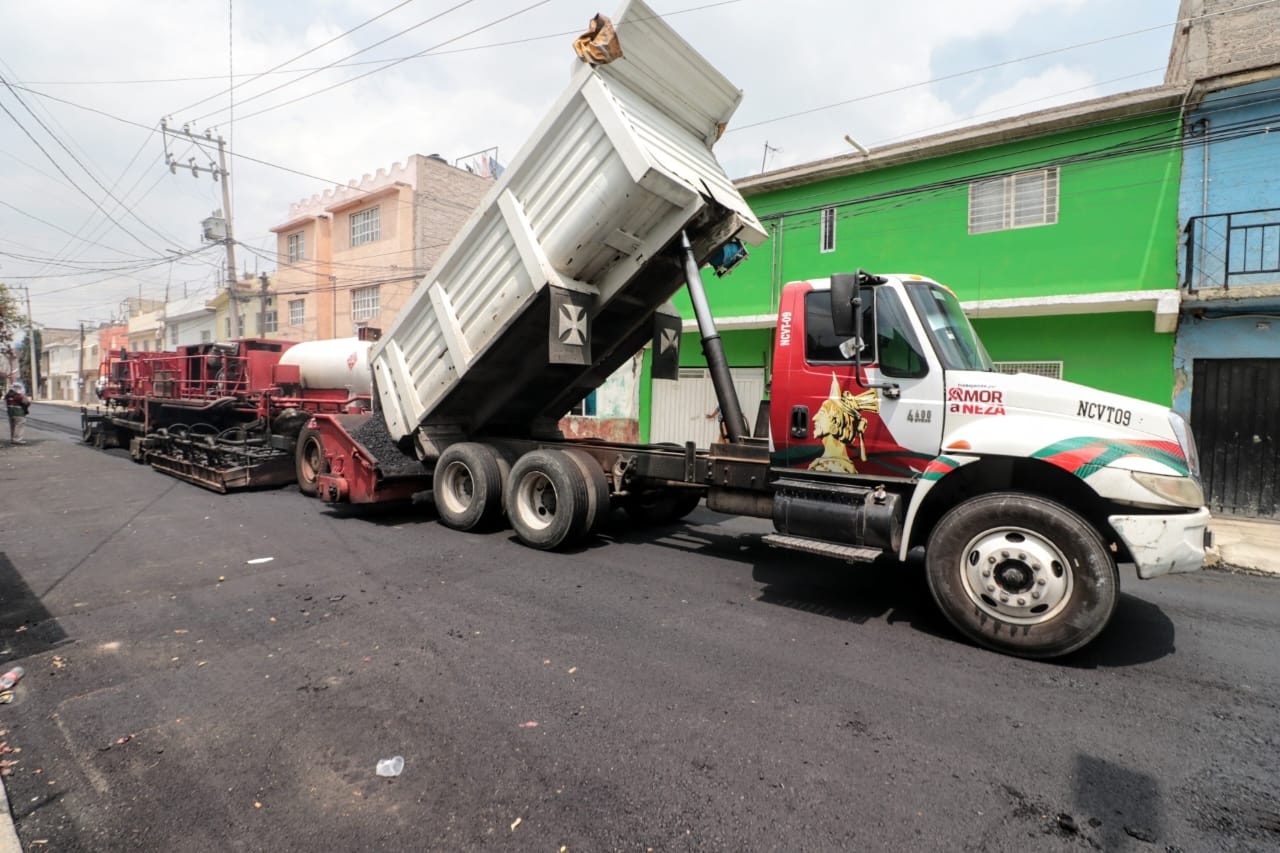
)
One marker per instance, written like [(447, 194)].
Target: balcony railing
[(1227, 250)]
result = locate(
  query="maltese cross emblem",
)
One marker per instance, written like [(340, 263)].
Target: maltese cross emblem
[(573, 325)]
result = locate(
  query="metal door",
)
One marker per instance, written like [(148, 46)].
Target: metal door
[(686, 410), (1235, 415)]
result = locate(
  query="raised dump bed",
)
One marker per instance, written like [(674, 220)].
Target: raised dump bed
[(560, 275)]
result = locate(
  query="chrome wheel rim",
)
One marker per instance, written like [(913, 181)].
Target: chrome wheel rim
[(1016, 575)]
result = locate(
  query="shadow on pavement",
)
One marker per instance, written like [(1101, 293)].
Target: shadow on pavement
[(1139, 633), (26, 627)]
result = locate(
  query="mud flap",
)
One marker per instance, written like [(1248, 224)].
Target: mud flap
[(666, 343), (569, 338)]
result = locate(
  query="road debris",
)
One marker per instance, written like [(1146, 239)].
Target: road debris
[(516, 823), (390, 766), (532, 724), (59, 662), (256, 560), (11, 677), (6, 697)]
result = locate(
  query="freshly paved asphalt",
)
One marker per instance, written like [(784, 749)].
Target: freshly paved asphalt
[(691, 689)]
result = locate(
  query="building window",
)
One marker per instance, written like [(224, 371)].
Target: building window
[(297, 247), (226, 334), (269, 321), (586, 407), (1051, 369), (206, 337), (364, 302), (173, 335), (366, 226), (1019, 200), (828, 229), (297, 311)]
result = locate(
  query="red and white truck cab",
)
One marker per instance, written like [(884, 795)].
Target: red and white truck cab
[(1026, 490)]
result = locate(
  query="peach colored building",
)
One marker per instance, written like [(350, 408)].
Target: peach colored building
[(351, 256)]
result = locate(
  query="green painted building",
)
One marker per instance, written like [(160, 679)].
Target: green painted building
[(1057, 230)]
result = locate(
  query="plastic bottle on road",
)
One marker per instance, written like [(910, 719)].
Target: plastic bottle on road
[(11, 677)]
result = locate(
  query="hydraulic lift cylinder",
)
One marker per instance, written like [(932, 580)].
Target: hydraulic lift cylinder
[(713, 348)]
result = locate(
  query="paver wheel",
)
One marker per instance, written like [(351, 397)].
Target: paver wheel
[(309, 461)]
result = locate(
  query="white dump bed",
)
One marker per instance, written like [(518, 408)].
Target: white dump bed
[(556, 279)]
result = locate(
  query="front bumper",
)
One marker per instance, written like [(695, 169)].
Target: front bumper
[(1164, 544)]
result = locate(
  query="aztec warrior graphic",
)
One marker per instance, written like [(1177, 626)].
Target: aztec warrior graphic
[(839, 423)]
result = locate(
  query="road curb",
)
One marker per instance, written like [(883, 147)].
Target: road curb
[(9, 842)]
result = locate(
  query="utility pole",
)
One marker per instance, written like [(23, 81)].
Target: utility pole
[(218, 171), (262, 304), (32, 392), (80, 367)]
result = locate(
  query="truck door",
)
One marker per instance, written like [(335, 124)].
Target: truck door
[(825, 421)]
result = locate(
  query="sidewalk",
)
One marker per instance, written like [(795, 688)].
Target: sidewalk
[(1245, 544)]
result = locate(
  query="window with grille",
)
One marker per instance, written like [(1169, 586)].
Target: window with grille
[(366, 226), (1051, 369), (173, 335), (297, 247), (828, 229), (364, 303), (206, 337), (1020, 200), (297, 311), (269, 323), (226, 327)]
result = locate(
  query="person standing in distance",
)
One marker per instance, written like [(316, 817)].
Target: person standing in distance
[(18, 404)]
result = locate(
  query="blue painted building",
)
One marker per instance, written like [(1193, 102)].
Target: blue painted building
[(1227, 347)]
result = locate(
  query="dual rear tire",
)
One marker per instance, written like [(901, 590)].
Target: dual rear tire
[(552, 498)]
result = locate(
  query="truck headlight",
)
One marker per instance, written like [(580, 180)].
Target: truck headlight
[(1182, 430), (1183, 491)]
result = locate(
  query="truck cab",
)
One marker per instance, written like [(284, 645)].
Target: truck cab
[(1015, 483)]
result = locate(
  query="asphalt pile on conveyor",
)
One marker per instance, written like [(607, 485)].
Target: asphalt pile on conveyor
[(373, 436)]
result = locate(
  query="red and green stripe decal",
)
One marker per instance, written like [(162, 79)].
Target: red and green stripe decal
[(938, 468), (1084, 456)]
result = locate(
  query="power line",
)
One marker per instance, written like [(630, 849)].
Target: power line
[(71, 180), (275, 68), (396, 62), (421, 23), (944, 77)]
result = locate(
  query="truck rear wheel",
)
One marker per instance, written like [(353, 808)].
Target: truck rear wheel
[(597, 488), (309, 461), (1021, 575), (547, 499), (467, 486)]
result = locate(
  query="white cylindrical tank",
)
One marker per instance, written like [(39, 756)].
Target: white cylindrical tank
[(338, 363)]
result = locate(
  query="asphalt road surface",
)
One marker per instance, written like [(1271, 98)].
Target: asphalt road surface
[(681, 688)]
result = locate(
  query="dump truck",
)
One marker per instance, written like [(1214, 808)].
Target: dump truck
[(887, 427)]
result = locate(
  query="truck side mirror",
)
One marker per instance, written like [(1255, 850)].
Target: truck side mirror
[(844, 314)]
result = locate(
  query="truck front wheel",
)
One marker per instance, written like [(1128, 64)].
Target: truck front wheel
[(1021, 575)]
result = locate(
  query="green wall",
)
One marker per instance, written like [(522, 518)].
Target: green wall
[(1117, 225), (1114, 352)]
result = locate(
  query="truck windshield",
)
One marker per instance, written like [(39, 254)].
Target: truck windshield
[(955, 340)]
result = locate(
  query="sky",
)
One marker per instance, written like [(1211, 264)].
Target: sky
[(90, 215)]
